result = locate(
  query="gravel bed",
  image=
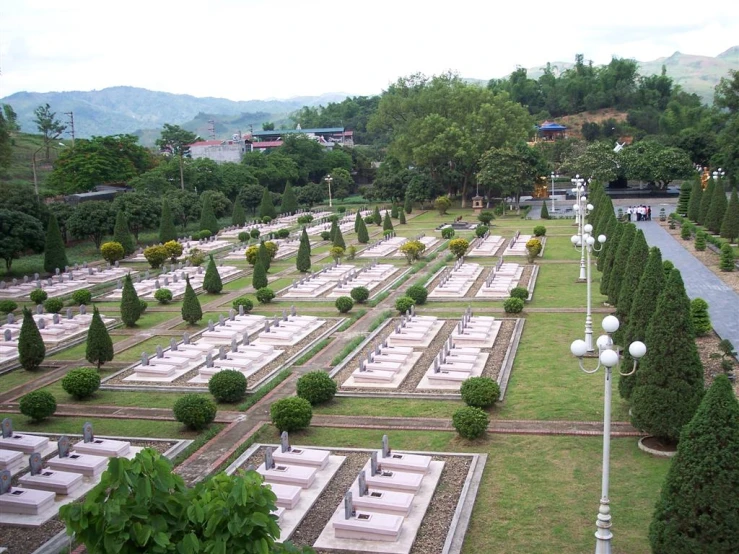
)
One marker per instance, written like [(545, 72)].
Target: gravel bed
[(708, 345), (434, 527), (411, 381), (251, 380)]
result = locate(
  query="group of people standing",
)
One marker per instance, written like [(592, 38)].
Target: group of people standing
[(639, 213)]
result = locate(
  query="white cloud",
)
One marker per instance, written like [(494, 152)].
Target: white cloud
[(244, 49)]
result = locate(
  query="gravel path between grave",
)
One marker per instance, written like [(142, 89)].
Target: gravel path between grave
[(436, 523), (409, 384)]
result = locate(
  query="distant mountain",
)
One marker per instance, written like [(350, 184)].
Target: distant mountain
[(141, 111)]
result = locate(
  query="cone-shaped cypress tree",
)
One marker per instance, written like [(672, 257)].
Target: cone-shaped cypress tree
[(191, 310), (394, 211), (620, 260), (544, 211), (362, 233), (55, 255), (263, 255), (614, 238), (697, 508), (339, 238), (332, 231), (401, 217), (706, 203), (694, 204), (408, 206), (376, 217), (238, 216), (122, 234), (289, 200), (387, 224), (684, 199), (595, 197), (267, 207), (604, 216), (208, 217), (212, 281), (259, 277), (727, 258), (130, 305), (31, 349), (357, 220), (642, 307), (302, 263), (637, 262), (669, 384), (167, 231), (608, 231), (716, 211), (99, 348), (730, 223)]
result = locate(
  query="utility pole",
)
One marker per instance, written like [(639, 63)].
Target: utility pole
[(212, 129), (70, 124)]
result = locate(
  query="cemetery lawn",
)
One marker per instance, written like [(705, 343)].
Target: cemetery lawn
[(556, 288), (389, 407), (19, 377), (77, 352), (133, 354), (539, 494), (111, 427)]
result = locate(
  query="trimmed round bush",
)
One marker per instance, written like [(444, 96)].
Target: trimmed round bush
[(291, 414), (112, 252), (38, 296), (266, 220), (197, 257), (265, 295), (195, 411), (53, 305), (513, 306), (470, 422), (228, 385), (80, 297), (38, 405), (163, 296), (81, 383), (156, 256), (243, 301), (344, 304), (283, 233), (143, 304), (418, 293), (244, 236), (480, 231), (316, 387), (360, 294), (447, 233), (304, 219), (369, 219), (325, 235), (403, 304), (480, 392), (520, 292), (540, 231), (254, 233), (7, 306), (204, 234)]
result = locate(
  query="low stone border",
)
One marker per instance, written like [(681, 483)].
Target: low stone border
[(530, 287), (359, 348), (331, 300), (505, 369), (653, 452)]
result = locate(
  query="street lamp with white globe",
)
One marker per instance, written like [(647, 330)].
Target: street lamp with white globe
[(588, 244)]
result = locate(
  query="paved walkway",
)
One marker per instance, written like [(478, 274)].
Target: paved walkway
[(700, 282)]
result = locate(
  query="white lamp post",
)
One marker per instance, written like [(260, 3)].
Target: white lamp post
[(554, 176), (587, 244), (582, 208), (719, 173), (328, 179), (608, 358)]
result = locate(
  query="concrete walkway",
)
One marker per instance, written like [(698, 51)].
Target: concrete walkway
[(700, 282)]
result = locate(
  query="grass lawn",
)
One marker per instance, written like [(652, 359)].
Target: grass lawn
[(237, 284), (556, 287), (152, 319), (77, 352), (538, 494), (546, 382), (389, 407), (149, 346), (19, 377), (111, 427), (560, 248)]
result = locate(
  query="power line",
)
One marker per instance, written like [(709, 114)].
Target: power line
[(70, 124)]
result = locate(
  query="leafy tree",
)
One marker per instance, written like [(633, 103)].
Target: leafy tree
[(130, 304), (510, 171), (311, 194), (362, 233), (62, 211), (669, 384), (442, 204), (387, 224), (458, 247), (19, 233), (302, 262), (730, 222), (412, 250), (91, 219), (48, 125), (696, 197), (289, 200), (336, 252), (238, 217), (250, 197), (267, 207), (643, 305), (339, 238), (11, 118), (212, 281), (656, 164), (55, 255), (99, 348), (696, 511), (259, 276), (208, 217), (176, 141), (634, 269), (684, 199), (142, 211), (31, 348), (221, 204), (717, 209), (191, 310), (619, 263), (341, 181), (706, 198), (122, 234), (167, 231)]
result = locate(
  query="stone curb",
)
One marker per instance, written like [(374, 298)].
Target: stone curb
[(462, 515), (507, 366)]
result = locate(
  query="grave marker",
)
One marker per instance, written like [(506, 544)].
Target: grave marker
[(63, 446), (4, 482), (269, 463), (87, 433), (172, 344), (144, 358), (7, 428), (362, 481), (373, 463), (348, 508), (385, 447), (35, 463), (284, 442)]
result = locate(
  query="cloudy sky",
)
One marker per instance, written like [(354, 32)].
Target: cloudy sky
[(258, 49)]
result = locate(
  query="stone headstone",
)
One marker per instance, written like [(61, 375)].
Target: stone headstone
[(87, 434), (156, 284), (35, 463), (284, 442), (166, 281), (39, 309), (269, 463), (245, 340), (42, 323), (221, 321), (174, 278), (385, 447), (57, 271), (144, 358), (373, 463), (7, 428), (7, 335), (266, 326), (63, 446), (4, 482), (348, 506), (185, 338), (2, 285), (11, 319), (119, 284), (293, 312), (25, 279), (221, 352), (173, 345), (210, 325), (362, 481), (437, 367), (69, 313), (234, 345), (362, 367), (232, 314), (117, 263), (241, 309), (160, 352), (83, 309), (208, 360), (55, 319)]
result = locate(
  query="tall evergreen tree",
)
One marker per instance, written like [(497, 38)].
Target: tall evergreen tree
[(544, 211), (212, 280), (289, 200), (669, 384), (401, 217), (208, 220), (55, 254), (122, 234), (637, 262), (696, 198), (357, 220), (683, 201), (408, 205), (267, 207), (263, 255), (730, 223), (642, 307), (717, 209), (609, 231), (697, 509), (614, 238), (706, 203), (362, 233), (619, 263), (376, 217), (167, 230), (339, 238), (130, 304), (603, 225), (238, 216), (302, 263), (99, 348), (259, 277), (31, 348), (387, 223), (333, 230), (191, 310)]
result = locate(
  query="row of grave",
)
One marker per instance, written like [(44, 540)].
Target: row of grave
[(346, 224), (339, 279), (488, 245), (389, 246), (455, 282), (282, 222)]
